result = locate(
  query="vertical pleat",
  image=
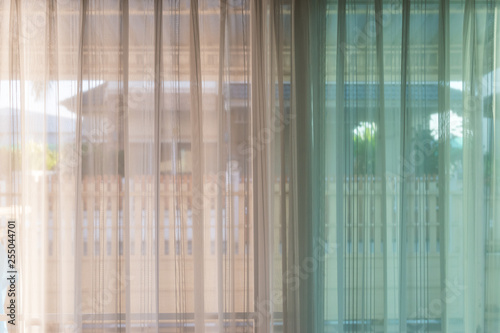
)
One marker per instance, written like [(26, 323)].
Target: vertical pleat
[(340, 163), (492, 170), (405, 143), (317, 56), (124, 231), (381, 171), (78, 149), (197, 168), (260, 177), (304, 142), (158, 119), (473, 187), (277, 37), (221, 157), (444, 148)]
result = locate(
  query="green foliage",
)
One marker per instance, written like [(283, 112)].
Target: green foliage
[(364, 148), (421, 159), (36, 154), (425, 153)]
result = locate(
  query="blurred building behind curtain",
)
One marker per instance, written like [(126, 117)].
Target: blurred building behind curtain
[(251, 165)]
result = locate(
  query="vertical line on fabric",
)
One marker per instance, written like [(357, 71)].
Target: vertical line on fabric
[(403, 127), (158, 90), (78, 143), (443, 147), (340, 167), (220, 165), (197, 167), (126, 167), (379, 15)]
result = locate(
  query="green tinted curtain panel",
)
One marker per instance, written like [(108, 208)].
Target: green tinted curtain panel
[(397, 164), (250, 165)]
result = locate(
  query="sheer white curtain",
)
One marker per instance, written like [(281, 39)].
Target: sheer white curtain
[(127, 164)]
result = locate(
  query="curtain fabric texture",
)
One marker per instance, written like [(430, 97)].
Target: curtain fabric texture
[(250, 165)]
